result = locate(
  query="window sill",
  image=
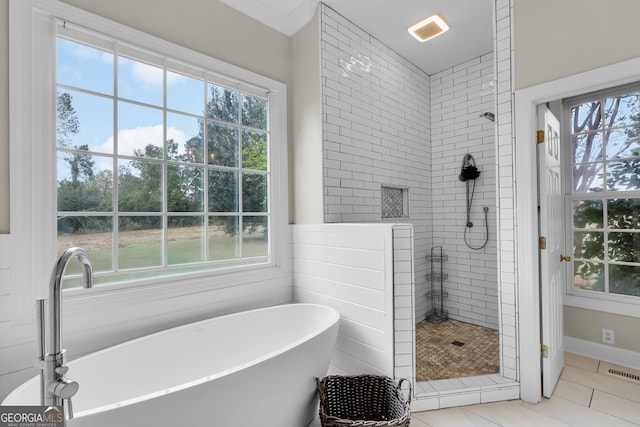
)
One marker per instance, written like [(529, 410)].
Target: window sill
[(627, 308)]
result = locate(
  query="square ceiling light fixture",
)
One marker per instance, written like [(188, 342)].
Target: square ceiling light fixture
[(428, 28)]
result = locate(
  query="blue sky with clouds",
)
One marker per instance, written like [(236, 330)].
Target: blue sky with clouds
[(92, 69)]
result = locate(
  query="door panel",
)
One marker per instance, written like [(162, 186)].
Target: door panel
[(551, 267)]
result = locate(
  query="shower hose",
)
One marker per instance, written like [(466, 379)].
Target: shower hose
[(469, 224)]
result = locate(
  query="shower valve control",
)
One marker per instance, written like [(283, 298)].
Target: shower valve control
[(61, 370)]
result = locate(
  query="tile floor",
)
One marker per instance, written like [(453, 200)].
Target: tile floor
[(587, 395), (454, 349)]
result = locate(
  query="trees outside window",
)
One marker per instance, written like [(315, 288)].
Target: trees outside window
[(605, 197), (158, 170)]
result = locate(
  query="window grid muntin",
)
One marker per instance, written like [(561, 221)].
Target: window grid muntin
[(116, 214)]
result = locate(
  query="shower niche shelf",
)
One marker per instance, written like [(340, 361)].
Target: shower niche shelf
[(437, 294)]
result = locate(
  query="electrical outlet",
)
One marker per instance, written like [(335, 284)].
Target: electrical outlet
[(608, 336)]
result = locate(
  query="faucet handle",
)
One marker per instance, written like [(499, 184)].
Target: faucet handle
[(62, 369), (64, 388)]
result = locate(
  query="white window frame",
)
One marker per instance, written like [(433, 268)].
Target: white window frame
[(32, 106), (601, 301)]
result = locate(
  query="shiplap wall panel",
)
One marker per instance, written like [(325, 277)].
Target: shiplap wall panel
[(342, 290), (356, 276), (361, 290)]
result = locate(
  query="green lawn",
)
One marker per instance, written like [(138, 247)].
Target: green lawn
[(140, 249)]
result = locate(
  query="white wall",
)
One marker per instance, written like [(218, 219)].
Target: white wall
[(606, 32), (4, 117), (555, 39), (118, 317), (306, 114), (456, 129)]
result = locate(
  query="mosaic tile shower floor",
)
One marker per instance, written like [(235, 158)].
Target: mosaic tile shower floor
[(454, 349)]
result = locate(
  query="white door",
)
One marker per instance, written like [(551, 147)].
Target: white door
[(551, 266)]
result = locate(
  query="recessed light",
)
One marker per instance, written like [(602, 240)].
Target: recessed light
[(428, 28)]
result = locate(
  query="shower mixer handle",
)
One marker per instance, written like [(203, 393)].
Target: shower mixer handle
[(65, 389)]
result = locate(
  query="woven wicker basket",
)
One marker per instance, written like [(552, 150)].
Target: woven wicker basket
[(363, 400)]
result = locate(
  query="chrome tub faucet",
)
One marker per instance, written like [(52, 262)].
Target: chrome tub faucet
[(55, 388)]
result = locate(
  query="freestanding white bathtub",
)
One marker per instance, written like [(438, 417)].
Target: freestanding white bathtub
[(255, 368)]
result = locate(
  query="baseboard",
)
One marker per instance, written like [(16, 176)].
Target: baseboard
[(607, 353)]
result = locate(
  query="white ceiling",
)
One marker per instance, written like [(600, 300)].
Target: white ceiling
[(470, 36)]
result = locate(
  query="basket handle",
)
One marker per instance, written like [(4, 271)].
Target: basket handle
[(320, 391), (399, 388)]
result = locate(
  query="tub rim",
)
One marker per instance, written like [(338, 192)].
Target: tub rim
[(334, 319)]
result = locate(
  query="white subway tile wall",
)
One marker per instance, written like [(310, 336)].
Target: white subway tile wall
[(376, 133), (386, 123), (457, 128), (506, 188), (390, 124)]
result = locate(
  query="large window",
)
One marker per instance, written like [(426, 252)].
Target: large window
[(162, 166), (604, 203)]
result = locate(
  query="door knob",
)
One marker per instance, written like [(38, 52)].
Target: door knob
[(566, 258)]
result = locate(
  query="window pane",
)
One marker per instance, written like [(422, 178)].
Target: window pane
[(588, 245), (255, 241), (254, 112), (140, 131), (624, 214), (588, 214), (92, 233), (222, 104), (587, 147), (139, 241), (84, 121), (139, 186), (140, 82), (624, 279), (587, 177), (185, 94), (185, 189), (223, 238), (222, 143), (184, 138), (185, 239), (622, 143), (586, 117), (254, 150), (254, 192), (223, 191), (622, 110), (623, 175), (85, 67), (588, 276), (624, 247), (84, 182)]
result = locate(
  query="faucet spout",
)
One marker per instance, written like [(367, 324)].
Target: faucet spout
[(56, 389), (54, 346)]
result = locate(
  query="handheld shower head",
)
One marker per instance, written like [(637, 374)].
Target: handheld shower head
[(468, 169)]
